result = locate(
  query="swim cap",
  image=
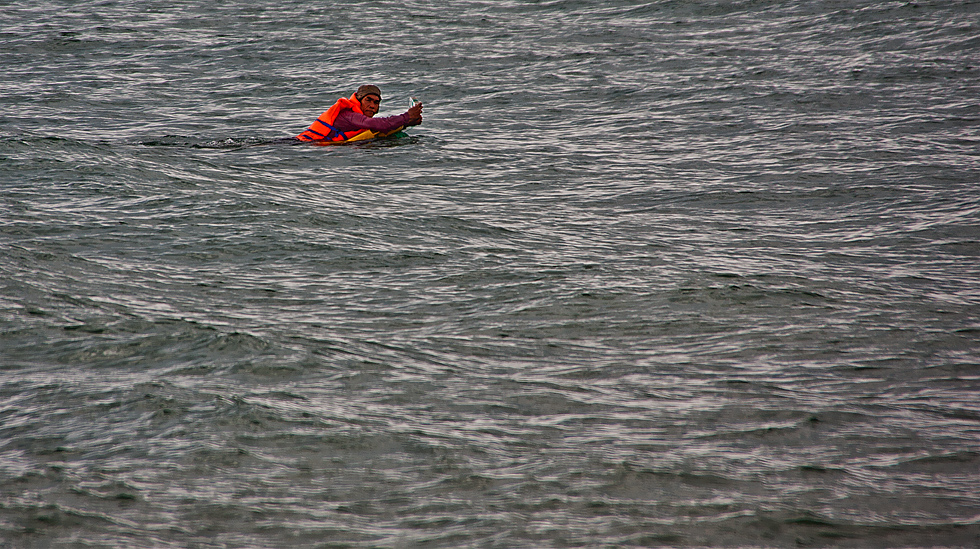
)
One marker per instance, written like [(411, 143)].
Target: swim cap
[(367, 89)]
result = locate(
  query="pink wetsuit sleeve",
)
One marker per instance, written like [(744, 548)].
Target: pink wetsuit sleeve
[(349, 120)]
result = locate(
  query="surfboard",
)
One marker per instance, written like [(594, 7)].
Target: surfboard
[(366, 135)]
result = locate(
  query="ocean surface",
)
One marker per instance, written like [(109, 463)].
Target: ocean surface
[(695, 273)]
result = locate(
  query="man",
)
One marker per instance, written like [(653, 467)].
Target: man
[(350, 117)]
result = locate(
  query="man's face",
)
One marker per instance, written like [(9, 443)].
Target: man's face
[(370, 105)]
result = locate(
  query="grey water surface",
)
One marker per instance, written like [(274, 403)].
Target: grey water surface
[(669, 273)]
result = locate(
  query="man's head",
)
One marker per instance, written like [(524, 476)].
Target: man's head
[(370, 98)]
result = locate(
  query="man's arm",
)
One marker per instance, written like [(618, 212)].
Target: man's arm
[(414, 115), (349, 120)]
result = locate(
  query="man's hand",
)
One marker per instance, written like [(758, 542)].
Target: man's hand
[(415, 115)]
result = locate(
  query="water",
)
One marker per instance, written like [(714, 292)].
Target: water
[(650, 274)]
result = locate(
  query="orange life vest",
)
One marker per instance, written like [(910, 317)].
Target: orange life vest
[(322, 128)]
